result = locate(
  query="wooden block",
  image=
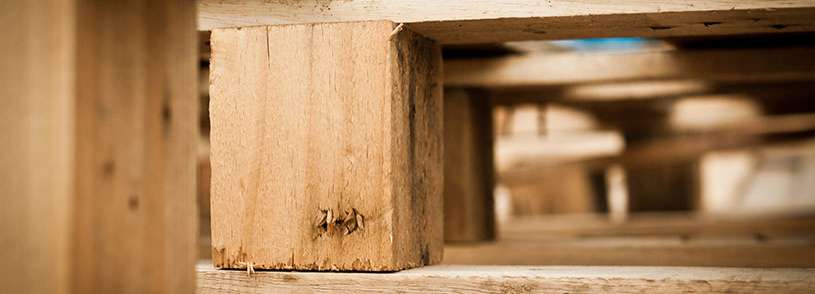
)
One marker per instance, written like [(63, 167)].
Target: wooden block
[(518, 279), (659, 186), (480, 21), (99, 164), (326, 147), (468, 167)]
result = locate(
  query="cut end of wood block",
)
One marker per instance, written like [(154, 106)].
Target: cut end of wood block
[(325, 148)]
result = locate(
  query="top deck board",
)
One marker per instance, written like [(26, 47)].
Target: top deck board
[(482, 21)]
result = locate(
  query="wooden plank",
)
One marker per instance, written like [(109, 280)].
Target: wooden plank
[(516, 279), (136, 139), (637, 251), (36, 148), (675, 239), (657, 224), (100, 160), (559, 69), (468, 166), (314, 124), (462, 21)]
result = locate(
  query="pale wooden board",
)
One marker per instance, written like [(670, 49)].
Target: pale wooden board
[(325, 117), (99, 159), (558, 69), (516, 279), (483, 21), (643, 251), (657, 224), (468, 167), (656, 239), (36, 145), (135, 220)]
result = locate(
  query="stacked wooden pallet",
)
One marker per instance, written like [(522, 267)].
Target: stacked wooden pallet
[(326, 139), (472, 87)]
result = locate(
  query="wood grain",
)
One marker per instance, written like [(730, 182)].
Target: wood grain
[(468, 166), (36, 149), (318, 122), (483, 21), (136, 139), (100, 161), (724, 65), (516, 279)]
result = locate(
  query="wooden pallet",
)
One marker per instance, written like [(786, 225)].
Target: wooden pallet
[(342, 98)]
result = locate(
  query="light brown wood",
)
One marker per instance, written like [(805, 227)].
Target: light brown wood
[(559, 69), (469, 214), (647, 240), (680, 146), (516, 279), (36, 149), (99, 164), (636, 251), (483, 21), (136, 146), (657, 225), (326, 147), (554, 190)]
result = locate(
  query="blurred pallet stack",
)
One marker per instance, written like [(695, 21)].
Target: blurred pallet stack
[(611, 151)]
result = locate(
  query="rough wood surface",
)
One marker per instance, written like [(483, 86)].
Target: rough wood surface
[(516, 279), (326, 148), (483, 21), (558, 69), (36, 145), (136, 139), (468, 166)]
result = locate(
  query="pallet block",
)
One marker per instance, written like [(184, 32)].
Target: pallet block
[(326, 147), (468, 166)]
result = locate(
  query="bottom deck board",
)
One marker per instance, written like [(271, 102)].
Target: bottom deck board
[(515, 279)]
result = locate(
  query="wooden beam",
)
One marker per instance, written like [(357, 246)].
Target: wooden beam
[(560, 69), (326, 147), (36, 151), (136, 138), (99, 163), (633, 251), (462, 21), (657, 239), (511, 279), (689, 225), (468, 166)]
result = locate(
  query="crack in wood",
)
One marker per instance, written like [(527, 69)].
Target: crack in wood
[(327, 224)]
